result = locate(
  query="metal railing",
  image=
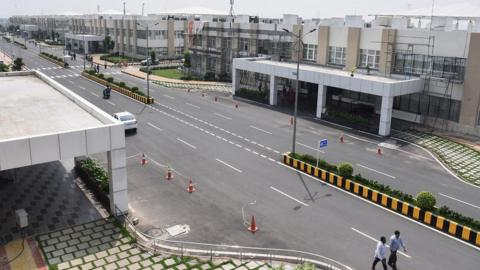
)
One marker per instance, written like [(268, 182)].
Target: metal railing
[(273, 256)]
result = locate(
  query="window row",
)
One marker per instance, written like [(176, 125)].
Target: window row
[(438, 66), (442, 108)]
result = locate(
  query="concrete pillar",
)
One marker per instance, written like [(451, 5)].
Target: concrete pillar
[(323, 40), (469, 112), (273, 90), (117, 172), (353, 47), (85, 47), (321, 100), (235, 79), (386, 116), (171, 38), (386, 49)]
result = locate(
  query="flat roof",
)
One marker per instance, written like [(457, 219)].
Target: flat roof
[(332, 71), (30, 107)]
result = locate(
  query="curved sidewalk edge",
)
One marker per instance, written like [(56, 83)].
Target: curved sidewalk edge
[(439, 223), (231, 252)]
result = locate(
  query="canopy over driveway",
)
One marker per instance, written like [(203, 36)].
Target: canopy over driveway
[(385, 87)]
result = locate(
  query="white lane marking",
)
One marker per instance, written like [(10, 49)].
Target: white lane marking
[(381, 207), (288, 196), (223, 116), (191, 145), (276, 152), (271, 159), (263, 156), (81, 87), (167, 96), (256, 153), (228, 165), (70, 82), (94, 94), (254, 127), (455, 199), (373, 170), (155, 127), (309, 147), (111, 103), (190, 104), (376, 240)]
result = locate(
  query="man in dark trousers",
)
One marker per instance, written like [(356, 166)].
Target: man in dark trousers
[(380, 254), (395, 243)]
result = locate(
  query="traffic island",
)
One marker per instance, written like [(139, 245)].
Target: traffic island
[(433, 220), (52, 58), (119, 87)]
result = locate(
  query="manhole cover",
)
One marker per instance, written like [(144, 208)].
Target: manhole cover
[(178, 230), (154, 232)]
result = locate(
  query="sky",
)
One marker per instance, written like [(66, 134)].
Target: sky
[(264, 8)]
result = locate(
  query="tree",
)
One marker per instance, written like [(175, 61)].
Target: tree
[(4, 68), (345, 169), (426, 200), (153, 57), (17, 64), (108, 44), (186, 59)]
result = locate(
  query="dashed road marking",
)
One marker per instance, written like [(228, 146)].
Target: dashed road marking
[(228, 165)]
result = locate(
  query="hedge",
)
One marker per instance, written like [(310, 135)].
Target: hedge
[(443, 211), (52, 57), (255, 95), (95, 178)]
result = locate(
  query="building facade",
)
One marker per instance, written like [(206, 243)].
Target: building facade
[(441, 51)]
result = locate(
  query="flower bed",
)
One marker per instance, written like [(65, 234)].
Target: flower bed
[(53, 58), (95, 178)]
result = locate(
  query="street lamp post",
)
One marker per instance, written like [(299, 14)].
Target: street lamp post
[(148, 62), (295, 108)]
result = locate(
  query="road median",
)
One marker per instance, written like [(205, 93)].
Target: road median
[(135, 94), (411, 211), (52, 59)]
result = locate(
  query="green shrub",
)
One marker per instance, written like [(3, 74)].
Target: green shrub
[(121, 84), (426, 200), (134, 89), (345, 169), (109, 79), (459, 218), (100, 75), (97, 172), (259, 96), (209, 76)]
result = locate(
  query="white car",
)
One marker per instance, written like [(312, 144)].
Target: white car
[(127, 119)]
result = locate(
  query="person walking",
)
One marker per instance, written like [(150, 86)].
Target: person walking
[(380, 253), (395, 243)]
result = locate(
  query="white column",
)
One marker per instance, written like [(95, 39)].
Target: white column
[(385, 116), (321, 100), (235, 79), (85, 46), (273, 90), (117, 173)]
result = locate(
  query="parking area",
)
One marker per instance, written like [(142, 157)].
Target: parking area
[(49, 195)]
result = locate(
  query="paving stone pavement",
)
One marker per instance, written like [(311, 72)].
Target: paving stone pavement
[(101, 245)]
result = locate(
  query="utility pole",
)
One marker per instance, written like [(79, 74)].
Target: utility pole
[(143, 9), (124, 9), (295, 108), (147, 59), (231, 36)]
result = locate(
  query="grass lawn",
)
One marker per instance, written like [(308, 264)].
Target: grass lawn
[(171, 73)]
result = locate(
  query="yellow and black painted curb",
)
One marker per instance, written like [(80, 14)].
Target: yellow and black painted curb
[(51, 60), (426, 217), (119, 89)]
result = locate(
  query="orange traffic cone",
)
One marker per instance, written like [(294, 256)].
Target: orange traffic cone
[(144, 160), (253, 225), (169, 174), (341, 139), (379, 151), (191, 187)]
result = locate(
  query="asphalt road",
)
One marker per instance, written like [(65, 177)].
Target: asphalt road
[(292, 210)]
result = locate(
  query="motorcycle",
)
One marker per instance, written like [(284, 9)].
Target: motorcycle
[(106, 93)]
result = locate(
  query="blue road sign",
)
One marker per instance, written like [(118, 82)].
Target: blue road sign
[(323, 143)]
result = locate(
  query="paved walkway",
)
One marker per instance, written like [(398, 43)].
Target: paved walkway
[(173, 83), (103, 245), (5, 58), (463, 160), (30, 257)]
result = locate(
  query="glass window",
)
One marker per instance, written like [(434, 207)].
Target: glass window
[(212, 42), (178, 50), (337, 56), (369, 58), (310, 52), (197, 40), (439, 66), (244, 44), (179, 34)]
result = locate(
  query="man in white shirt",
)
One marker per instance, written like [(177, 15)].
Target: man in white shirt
[(380, 254), (395, 243)]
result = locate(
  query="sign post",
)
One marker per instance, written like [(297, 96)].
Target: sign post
[(321, 144)]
